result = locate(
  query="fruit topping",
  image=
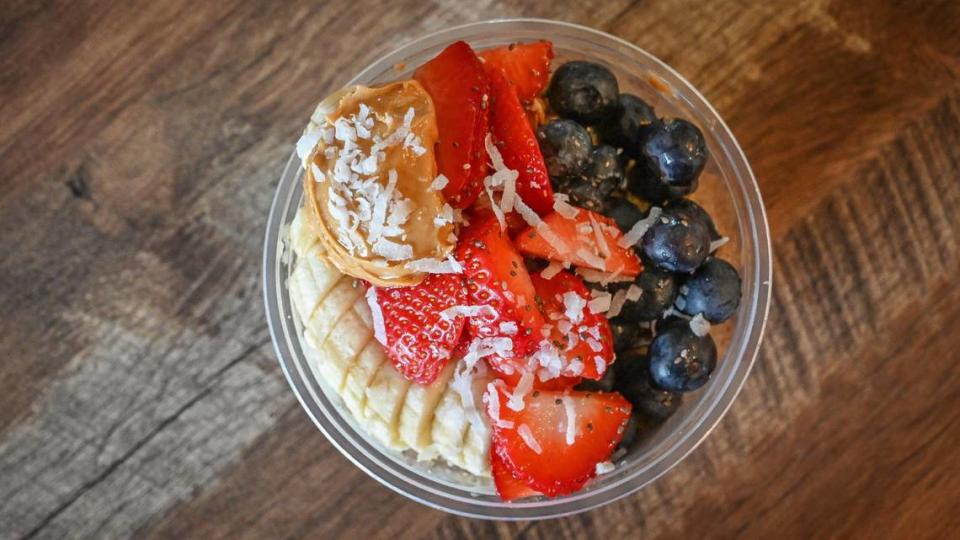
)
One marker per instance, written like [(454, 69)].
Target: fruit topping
[(587, 239), (583, 91), (681, 360), (633, 381), (713, 291), (631, 124), (508, 487), (456, 81), (554, 443), (580, 337), (566, 147), (499, 287), (648, 296), (517, 144), (669, 162), (525, 65), (676, 243), (602, 177), (420, 334)]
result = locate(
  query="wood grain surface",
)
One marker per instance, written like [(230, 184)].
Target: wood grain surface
[(140, 145)]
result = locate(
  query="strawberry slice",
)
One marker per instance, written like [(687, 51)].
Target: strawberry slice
[(496, 277), (586, 336), (508, 487), (457, 83), (526, 66), (554, 443), (419, 338), (591, 241), (518, 145)]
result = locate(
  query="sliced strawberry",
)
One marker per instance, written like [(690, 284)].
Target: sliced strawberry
[(526, 66), (419, 340), (508, 487), (554, 466), (585, 338), (495, 276), (518, 145), (457, 83), (583, 248), (512, 377)]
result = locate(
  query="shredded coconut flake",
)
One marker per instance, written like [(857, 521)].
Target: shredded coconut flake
[(467, 311), (379, 329), (603, 278), (600, 364), (438, 183), (604, 467), (492, 396), (617, 303), (589, 258), (523, 388), (571, 413), (719, 243), (600, 304), (392, 251), (634, 293), (435, 266), (602, 246), (573, 305), (699, 325), (635, 234), (508, 328), (551, 270), (564, 208), (524, 431), (307, 142)]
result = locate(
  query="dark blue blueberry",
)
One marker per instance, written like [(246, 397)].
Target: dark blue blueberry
[(624, 212), (606, 167), (694, 211), (633, 381), (625, 333), (713, 290), (631, 124), (658, 291), (676, 243), (681, 361), (669, 163), (583, 91), (566, 147), (605, 384), (602, 177)]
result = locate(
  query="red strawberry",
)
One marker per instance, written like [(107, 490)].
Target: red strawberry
[(458, 85), (558, 468), (508, 487), (526, 66), (518, 145), (587, 337), (582, 246), (419, 339), (496, 276), (512, 378)]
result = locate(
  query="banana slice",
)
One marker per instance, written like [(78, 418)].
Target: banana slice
[(417, 414), (431, 420)]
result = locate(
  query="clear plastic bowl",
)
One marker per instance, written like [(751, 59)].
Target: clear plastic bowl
[(729, 192)]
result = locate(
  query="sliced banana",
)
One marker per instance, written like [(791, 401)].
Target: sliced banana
[(431, 420)]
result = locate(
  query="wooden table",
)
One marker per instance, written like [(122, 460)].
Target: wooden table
[(139, 150)]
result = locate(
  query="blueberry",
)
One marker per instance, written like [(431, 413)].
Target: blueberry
[(605, 384), (713, 290), (680, 360), (625, 333), (624, 212), (633, 381), (658, 291), (631, 124), (566, 147), (694, 211), (669, 163), (583, 91), (606, 167), (676, 243)]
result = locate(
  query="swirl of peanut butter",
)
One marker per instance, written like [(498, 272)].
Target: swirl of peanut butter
[(370, 183)]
